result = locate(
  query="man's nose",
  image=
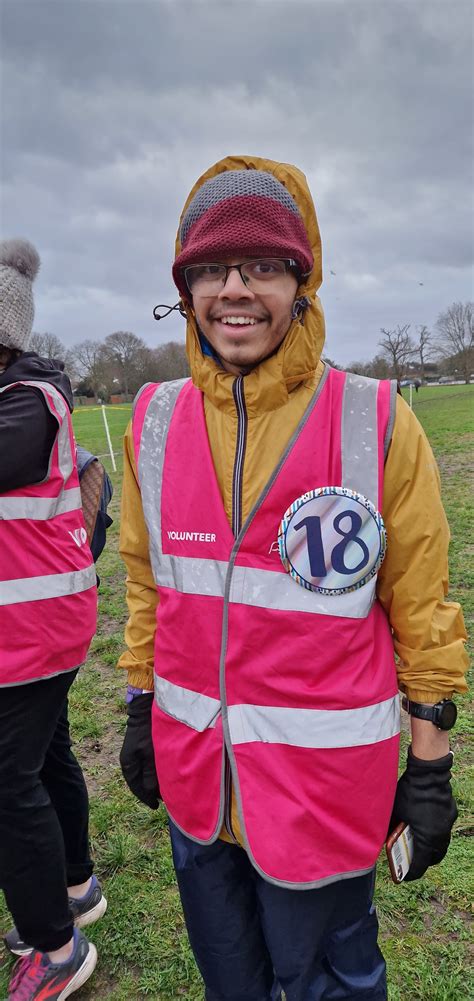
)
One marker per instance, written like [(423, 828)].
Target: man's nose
[(235, 287)]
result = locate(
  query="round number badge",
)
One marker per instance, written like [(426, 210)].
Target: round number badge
[(332, 540)]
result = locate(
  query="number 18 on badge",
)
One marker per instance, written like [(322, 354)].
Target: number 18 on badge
[(332, 540)]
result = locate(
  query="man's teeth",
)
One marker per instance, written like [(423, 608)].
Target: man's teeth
[(238, 320)]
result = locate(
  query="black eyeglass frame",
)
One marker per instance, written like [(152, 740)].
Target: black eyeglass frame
[(290, 263)]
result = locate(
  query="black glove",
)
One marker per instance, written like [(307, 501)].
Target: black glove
[(424, 801), (137, 759)]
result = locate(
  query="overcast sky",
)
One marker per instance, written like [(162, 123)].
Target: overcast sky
[(112, 108)]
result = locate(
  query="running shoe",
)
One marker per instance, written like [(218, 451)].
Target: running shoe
[(36, 978), (90, 907), (86, 910)]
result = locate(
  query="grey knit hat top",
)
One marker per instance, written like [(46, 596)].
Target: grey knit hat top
[(19, 263)]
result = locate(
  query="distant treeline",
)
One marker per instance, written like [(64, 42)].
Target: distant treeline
[(122, 362)]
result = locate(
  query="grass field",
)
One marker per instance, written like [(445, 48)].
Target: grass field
[(143, 947)]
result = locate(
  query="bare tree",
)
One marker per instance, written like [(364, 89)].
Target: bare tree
[(50, 346), (357, 367), (378, 368), (90, 359), (398, 347), (424, 348), (47, 345), (455, 340), (170, 362), (126, 350)]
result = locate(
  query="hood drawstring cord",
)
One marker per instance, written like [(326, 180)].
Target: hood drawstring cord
[(299, 308), (161, 316)]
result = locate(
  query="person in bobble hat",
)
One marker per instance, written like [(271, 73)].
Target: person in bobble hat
[(283, 534), (48, 606)]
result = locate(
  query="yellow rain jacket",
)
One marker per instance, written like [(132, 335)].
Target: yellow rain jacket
[(428, 631)]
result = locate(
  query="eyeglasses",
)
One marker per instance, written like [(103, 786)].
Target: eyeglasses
[(210, 279)]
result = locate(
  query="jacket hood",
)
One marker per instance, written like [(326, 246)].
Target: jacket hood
[(268, 385), (32, 367)]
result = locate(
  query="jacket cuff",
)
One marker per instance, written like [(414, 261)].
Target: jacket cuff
[(421, 695), (141, 679)]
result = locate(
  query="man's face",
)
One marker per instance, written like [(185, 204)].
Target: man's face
[(242, 326)]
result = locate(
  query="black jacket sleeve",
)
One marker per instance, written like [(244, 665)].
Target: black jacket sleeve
[(27, 434)]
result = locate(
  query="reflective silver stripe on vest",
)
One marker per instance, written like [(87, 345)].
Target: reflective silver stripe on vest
[(40, 508), (267, 589), (270, 589), (261, 588), (56, 585), (152, 455), (359, 437), (65, 459), (191, 575), (195, 710), (316, 728)]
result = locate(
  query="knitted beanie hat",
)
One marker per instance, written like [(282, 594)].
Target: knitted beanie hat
[(245, 212), (19, 263)]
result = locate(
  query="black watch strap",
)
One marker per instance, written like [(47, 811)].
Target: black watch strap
[(443, 714), (417, 709)]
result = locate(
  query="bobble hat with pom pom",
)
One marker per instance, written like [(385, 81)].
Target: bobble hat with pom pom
[(19, 263)]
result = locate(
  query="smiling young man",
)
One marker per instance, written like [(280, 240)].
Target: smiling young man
[(265, 607), (243, 308)]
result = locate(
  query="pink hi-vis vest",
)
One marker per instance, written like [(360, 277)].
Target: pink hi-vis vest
[(48, 593), (299, 687)]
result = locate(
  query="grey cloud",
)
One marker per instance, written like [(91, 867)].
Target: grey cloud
[(113, 108)]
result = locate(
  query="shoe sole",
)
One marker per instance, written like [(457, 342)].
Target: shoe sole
[(93, 915), (83, 974), (81, 921), (18, 952)]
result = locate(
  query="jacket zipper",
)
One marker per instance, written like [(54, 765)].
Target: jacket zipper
[(237, 479), (239, 399)]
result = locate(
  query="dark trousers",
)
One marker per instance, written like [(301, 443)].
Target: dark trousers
[(44, 811), (252, 939)]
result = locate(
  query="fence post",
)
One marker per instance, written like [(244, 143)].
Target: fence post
[(114, 467)]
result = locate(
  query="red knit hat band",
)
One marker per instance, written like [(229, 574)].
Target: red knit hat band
[(248, 223)]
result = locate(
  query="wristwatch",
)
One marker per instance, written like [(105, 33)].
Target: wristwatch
[(443, 714)]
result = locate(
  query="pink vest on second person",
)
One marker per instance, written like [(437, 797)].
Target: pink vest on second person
[(298, 687), (48, 593)]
